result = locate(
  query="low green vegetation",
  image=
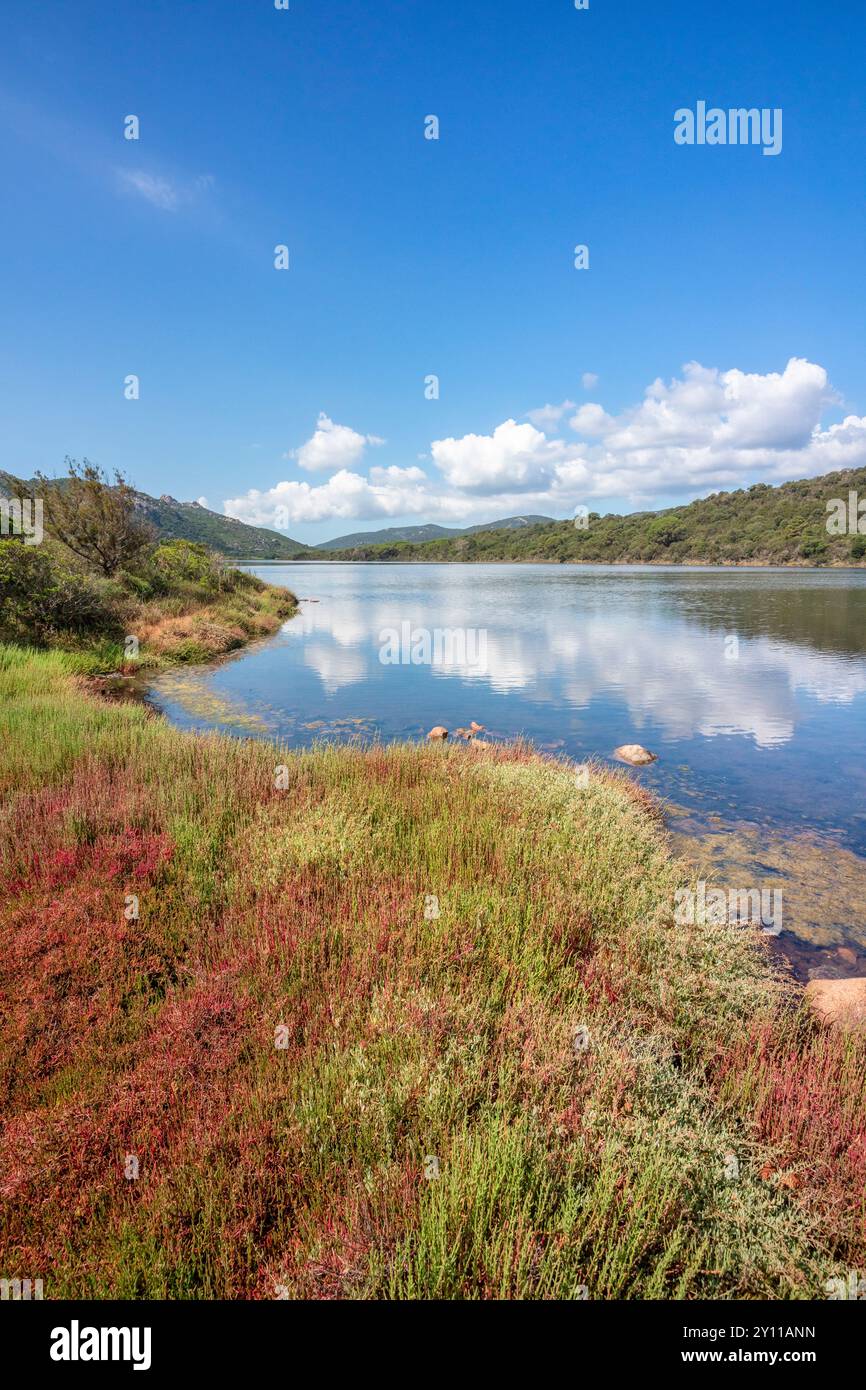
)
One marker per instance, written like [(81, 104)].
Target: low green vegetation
[(414, 1022), (760, 525)]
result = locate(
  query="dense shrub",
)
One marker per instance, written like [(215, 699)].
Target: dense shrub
[(180, 562), (176, 565), (40, 597), (813, 549), (665, 530)]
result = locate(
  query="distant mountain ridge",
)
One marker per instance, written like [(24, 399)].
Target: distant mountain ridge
[(430, 532)]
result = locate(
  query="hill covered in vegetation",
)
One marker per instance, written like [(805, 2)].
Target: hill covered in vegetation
[(188, 521), (760, 525)]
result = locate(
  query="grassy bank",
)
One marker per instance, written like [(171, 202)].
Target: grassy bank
[(291, 1050), (179, 603)]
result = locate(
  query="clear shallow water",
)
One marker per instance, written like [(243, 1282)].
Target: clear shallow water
[(760, 741)]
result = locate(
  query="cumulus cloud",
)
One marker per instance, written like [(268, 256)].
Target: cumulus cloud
[(397, 475), (713, 429), (346, 495), (351, 496), (591, 420), (705, 430), (726, 411), (514, 456), (547, 417), (332, 447)]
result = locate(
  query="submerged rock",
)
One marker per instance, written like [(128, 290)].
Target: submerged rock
[(839, 1003), (635, 754)]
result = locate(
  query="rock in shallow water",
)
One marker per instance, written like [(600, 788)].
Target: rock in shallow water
[(636, 755), (439, 732)]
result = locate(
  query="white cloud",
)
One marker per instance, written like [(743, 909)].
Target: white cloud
[(591, 420), (346, 495), (514, 456), (547, 417), (203, 502), (589, 380), (712, 429), (332, 447), (703, 431), (709, 409), (397, 475)]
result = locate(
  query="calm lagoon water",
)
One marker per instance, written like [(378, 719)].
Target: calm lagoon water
[(750, 685)]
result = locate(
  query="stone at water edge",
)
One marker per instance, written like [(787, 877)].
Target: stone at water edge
[(635, 754), (839, 1003), (439, 732), (476, 728)]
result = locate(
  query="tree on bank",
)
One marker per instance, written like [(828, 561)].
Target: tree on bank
[(95, 519)]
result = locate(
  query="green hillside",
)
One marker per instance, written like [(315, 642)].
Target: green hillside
[(187, 521), (760, 525)]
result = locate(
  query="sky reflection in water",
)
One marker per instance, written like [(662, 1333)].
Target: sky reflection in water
[(581, 659)]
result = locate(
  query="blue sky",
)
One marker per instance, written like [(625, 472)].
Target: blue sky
[(298, 397)]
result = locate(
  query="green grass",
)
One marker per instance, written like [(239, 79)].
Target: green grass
[(563, 1171)]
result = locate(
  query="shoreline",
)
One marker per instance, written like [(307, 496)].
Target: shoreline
[(575, 564)]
